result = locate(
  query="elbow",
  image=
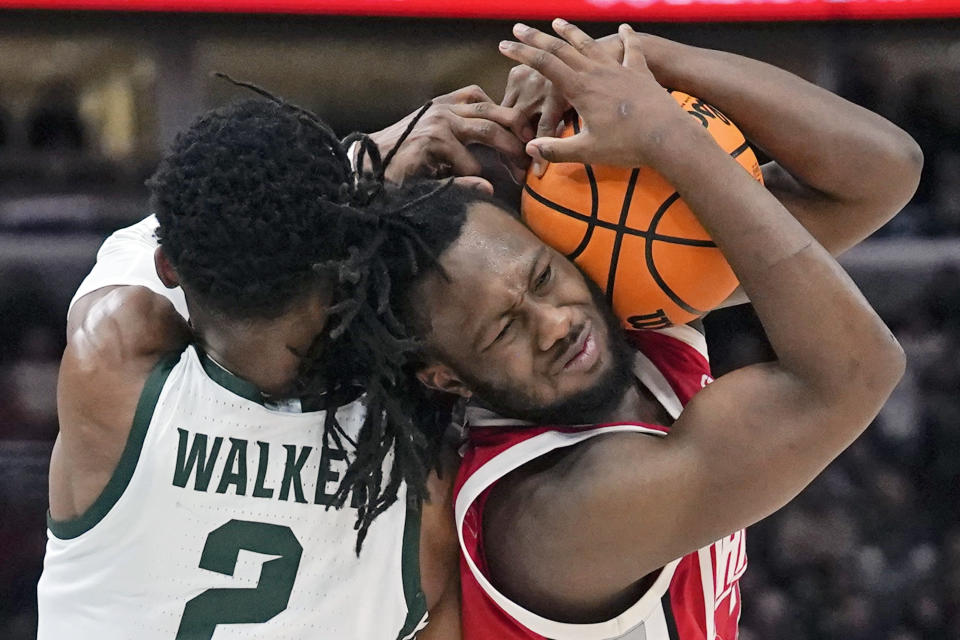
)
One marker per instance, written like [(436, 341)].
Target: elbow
[(911, 163), (897, 362), (864, 379), (888, 363), (904, 162)]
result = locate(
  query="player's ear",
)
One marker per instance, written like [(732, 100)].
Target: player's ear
[(442, 378), (166, 272)]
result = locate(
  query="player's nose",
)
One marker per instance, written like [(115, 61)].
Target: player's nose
[(553, 325)]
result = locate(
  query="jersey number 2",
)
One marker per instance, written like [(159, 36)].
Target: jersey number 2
[(202, 614)]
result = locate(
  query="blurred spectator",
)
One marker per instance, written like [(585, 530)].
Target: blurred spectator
[(945, 213), (923, 117), (871, 549), (31, 340), (54, 122), (4, 127)]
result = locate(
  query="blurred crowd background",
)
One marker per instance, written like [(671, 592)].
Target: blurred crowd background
[(88, 102)]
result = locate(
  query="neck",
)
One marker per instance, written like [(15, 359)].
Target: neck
[(242, 359), (639, 405)]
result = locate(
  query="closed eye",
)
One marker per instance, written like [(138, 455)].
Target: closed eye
[(503, 332), (543, 279)]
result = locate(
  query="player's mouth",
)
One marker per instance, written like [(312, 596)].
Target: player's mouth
[(584, 353)]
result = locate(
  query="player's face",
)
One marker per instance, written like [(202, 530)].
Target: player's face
[(518, 325), (268, 352)]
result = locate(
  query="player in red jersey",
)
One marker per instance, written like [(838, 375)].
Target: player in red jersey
[(629, 528)]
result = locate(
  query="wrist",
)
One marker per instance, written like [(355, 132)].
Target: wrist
[(673, 142), (667, 60)]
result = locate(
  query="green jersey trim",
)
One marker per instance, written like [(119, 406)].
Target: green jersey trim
[(227, 380), (410, 571), (67, 529)]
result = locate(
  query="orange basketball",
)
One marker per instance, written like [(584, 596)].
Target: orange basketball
[(633, 235)]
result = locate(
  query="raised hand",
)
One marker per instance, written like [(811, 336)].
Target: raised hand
[(437, 147), (540, 102), (625, 111)]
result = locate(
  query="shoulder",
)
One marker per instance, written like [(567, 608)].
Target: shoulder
[(115, 338), (117, 324)]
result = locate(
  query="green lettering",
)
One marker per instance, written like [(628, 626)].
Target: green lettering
[(326, 474), (197, 458), (259, 490), (235, 471), (291, 472)]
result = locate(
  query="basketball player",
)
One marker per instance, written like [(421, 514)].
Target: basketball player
[(632, 527), (189, 485), (429, 627)]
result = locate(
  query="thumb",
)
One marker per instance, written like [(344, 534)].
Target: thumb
[(475, 182), (573, 149), (550, 120), (632, 49)]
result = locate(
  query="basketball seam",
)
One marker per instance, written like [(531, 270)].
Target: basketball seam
[(620, 228), (648, 249), (613, 226), (594, 204), (651, 265), (736, 152), (618, 240)]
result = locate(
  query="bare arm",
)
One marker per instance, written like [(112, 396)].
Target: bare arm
[(116, 336), (122, 320), (648, 501), (841, 170), (440, 553)]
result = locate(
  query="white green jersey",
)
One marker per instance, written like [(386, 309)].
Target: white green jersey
[(216, 524)]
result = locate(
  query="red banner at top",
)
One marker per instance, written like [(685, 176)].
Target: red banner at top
[(600, 10)]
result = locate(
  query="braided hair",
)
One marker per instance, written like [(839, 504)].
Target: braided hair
[(257, 202)]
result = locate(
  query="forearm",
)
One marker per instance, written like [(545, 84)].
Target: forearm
[(796, 287), (829, 143), (845, 153)]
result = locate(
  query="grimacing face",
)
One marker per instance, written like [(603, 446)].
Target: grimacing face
[(518, 326)]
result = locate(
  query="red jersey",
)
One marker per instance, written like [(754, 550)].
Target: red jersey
[(696, 597)]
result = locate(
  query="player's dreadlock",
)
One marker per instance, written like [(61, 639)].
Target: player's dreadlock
[(259, 201), (419, 220)]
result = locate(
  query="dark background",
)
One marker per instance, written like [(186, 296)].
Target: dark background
[(88, 101)]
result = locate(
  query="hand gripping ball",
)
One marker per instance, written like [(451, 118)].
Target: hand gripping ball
[(632, 234)]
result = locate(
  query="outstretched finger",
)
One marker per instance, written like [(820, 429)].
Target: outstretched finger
[(550, 120), (475, 182), (579, 40), (633, 57), (488, 133), (466, 95), (552, 67), (551, 44), (507, 117)]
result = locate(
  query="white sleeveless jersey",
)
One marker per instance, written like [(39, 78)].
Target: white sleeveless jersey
[(215, 525)]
